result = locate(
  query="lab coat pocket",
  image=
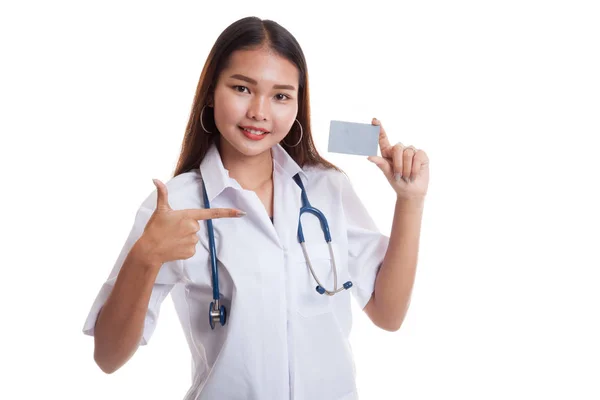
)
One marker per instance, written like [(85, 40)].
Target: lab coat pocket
[(309, 301)]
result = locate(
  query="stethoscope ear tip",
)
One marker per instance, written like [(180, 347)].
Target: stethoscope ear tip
[(322, 290)]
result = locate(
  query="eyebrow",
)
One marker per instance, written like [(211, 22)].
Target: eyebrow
[(252, 81)]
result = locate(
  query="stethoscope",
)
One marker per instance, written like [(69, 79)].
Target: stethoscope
[(218, 313)]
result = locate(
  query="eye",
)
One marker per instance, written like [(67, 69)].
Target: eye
[(285, 96), (237, 87)]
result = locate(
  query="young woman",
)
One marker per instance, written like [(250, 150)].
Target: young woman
[(264, 302)]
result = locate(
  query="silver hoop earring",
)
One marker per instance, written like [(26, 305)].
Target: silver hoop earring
[(299, 140), (202, 122)]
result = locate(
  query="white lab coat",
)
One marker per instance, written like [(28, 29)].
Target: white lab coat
[(282, 339)]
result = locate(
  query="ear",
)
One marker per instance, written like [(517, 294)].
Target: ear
[(210, 98)]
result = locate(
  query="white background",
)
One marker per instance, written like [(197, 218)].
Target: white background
[(503, 96)]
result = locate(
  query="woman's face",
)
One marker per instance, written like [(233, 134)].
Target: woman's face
[(257, 91)]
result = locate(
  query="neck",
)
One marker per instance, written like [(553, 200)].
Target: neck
[(251, 172)]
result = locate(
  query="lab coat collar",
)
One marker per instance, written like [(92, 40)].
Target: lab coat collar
[(216, 177), (286, 162)]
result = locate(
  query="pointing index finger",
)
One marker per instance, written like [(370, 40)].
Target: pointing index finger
[(212, 213)]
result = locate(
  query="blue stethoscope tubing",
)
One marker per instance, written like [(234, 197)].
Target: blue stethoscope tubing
[(217, 312), (307, 208)]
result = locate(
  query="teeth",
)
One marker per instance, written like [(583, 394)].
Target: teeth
[(254, 132)]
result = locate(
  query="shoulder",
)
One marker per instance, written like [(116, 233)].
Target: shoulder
[(322, 177), (184, 191)]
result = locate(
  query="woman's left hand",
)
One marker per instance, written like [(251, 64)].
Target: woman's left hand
[(406, 168)]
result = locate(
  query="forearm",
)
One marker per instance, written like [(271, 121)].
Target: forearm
[(120, 324), (395, 279)]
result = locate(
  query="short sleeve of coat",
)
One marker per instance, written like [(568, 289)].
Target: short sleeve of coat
[(366, 244), (168, 275)]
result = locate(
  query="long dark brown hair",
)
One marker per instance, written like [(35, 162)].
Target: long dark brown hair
[(247, 34)]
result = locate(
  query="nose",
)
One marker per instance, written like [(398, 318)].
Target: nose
[(258, 109)]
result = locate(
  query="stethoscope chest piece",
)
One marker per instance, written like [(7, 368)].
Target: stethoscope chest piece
[(216, 314)]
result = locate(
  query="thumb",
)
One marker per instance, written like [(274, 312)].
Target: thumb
[(382, 164), (162, 195)]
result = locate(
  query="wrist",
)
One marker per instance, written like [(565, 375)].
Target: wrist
[(418, 201), (143, 252)]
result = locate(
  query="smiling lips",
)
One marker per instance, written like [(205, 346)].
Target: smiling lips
[(254, 133)]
